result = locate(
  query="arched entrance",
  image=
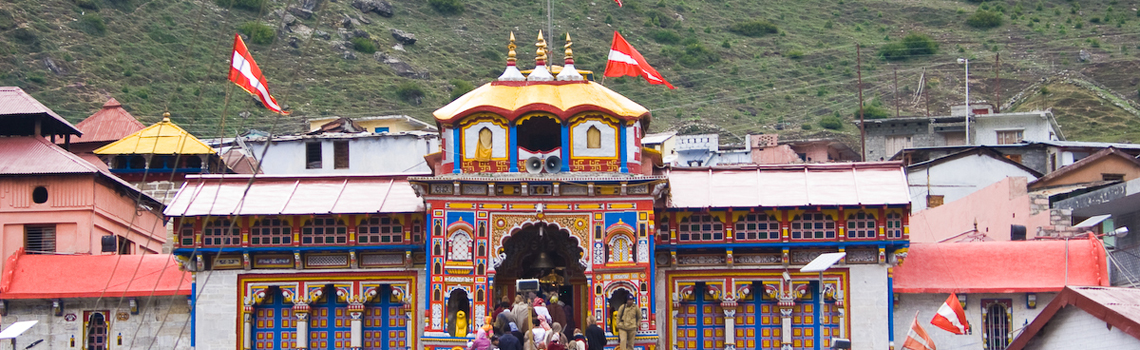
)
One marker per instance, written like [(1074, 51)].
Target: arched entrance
[(552, 255)]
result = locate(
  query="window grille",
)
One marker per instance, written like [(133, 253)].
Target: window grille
[(313, 155), (757, 226), (186, 235), (813, 226), (996, 317), (380, 230), (221, 232), (39, 239), (271, 232), (1009, 137), (894, 225), (700, 227), (322, 231), (861, 225)]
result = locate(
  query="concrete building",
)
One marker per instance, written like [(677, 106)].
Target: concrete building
[(988, 214), (378, 124), (345, 153), (887, 137), (1107, 165), (1089, 317), (768, 149), (1002, 286), (955, 176), (1043, 157), (1121, 202)]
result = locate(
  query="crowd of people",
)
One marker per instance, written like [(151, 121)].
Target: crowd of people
[(534, 323)]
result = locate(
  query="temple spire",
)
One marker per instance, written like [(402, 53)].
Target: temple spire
[(541, 72), (569, 73), (512, 72)]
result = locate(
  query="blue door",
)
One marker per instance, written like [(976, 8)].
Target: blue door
[(385, 325), (330, 326), (700, 323), (274, 327)]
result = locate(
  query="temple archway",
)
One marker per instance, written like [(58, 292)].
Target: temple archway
[(550, 254)]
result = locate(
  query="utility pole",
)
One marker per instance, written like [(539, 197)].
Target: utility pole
[(997, 82), (862, 123), (896, 92)]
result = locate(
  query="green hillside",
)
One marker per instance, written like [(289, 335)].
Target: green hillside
[(734, 73)]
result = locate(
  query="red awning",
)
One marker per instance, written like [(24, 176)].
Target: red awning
[(1001, 267), (92, 276), (218, 195), (789, 185)]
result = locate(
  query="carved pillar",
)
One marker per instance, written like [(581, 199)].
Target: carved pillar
[(301, 310), (674, 327), (356, 311), (729, 324), (247, 326), (842, 314), (785, 306)]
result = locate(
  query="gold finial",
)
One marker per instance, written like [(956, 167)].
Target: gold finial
[(511, 49), (541, 52), (569, 53), (166, 116)]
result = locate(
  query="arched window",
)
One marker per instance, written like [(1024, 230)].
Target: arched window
[(621, 249), (996, 317), (894, 226), (324, 231), (459, 246), (593, 137), (96, 330), (813, 226), (270, 231), (483, 146), (380, 230), (861, 225), (221, 233), (757, 226), (700, 227)]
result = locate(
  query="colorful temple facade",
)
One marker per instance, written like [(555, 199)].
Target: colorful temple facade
[(543, 179)]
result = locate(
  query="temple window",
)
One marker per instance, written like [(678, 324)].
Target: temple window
[(621, 249), (417, 231), (894, 225), (484, 146), (186, 235), (313, 155), (539, 134), (324, 230), (700, 227), (861, 225), (96, 328), (459, 246), (996, 319), (593, 137), (270, 231), (813, 226), (221, 232), (380, 230), (757, 226)]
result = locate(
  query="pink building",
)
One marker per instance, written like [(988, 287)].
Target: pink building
[(52, 201)]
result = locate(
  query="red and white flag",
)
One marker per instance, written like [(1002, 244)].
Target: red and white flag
[(625, 60), (244, 73), (619, 2), (951, 316), (916, 338)]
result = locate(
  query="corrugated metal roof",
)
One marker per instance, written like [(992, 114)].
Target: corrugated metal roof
[(1001, 267), (14, 101), (789, 185), (110, 123), (294, 195), (27, 155), (161, 138), (1086, 144), (91, 276), (1118, 307)]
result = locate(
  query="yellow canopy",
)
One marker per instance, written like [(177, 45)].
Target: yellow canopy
[(512, 99), (161, 138)]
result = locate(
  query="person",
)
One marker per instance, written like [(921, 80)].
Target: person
[(629, 315), (557, 313), (537, 334), (521, 310), (555, 340), (579, 342), (595, 336), (481, 342), (541, 310), (495, 343), (569, 312), (503, 318), (508, 341), (528, 342)]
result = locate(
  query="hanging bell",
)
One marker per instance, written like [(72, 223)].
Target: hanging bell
[(543, 261)]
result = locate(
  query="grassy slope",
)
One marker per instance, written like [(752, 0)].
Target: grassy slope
[(171, 54)]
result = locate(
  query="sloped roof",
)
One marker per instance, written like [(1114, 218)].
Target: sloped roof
[(163, 137), (981, 151), (1117, 307), (109, 124), (882, 183), (87, 276), (27, 155), (18, 111), (562, 98), (1080, 164), (218, 195), (1001, 266), (339, 125)]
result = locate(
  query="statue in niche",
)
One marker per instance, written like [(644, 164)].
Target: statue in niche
[(483, 147)]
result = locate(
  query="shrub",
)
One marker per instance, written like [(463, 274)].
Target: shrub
[(985, 20), (460, 87), (251, 5), (87, 4), (666, 36), (410, 92), (364, 45), (92, 23), (447, 7), (754, 28), (795, 54), (258, 33), (831, 122), (873, 110), (805, 126), (912, 45), (691, 53)]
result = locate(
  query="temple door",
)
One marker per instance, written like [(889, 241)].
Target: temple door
[(385, 326), (758, 327), (274, 325), (330, 325), (700, 323)]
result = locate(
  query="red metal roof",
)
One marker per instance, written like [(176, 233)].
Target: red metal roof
[(1001, 267), (15, 102), (24, 155), (789, 185), (219, 195), (86, 276), (109, 124), (1117, 307)]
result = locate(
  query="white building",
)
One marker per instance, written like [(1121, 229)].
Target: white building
[(1085, 318), (346, 153), (952, 177)]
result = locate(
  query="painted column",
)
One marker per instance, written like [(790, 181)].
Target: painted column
[(247, 336), (457, 163), (729, 324), (624, 148), (301, 310), (785, 305), (356, 312), (512, 150), (565, 146)]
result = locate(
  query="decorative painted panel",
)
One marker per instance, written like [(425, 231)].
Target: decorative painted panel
[(274, 326)]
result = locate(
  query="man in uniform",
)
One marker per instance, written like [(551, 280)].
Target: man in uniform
[(629, 315)]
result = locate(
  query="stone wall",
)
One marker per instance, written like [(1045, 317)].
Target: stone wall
[(159, 323)]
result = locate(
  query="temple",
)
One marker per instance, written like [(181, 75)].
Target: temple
[(541, 185)]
